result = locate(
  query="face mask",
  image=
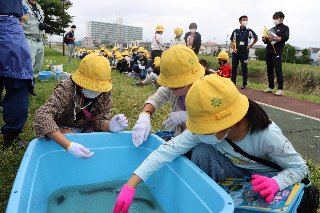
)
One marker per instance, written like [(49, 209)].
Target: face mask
[(90, 94), (276, 21), (134, 52), (244, 23), (224, 137), (220, 62), (193, 30), (180, 91)]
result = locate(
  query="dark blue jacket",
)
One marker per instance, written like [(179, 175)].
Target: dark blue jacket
[(11, 7)]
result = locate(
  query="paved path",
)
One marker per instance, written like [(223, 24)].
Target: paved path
[(299, 120)]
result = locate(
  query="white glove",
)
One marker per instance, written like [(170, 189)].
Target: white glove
[(175, 119), (79, 151), (141, 130), (141, 67), (118, 123)]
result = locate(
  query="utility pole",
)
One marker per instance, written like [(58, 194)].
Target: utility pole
[(227, 50)]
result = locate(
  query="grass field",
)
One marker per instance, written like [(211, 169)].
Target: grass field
[(126, 99)]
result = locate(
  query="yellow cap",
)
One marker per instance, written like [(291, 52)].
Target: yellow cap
[(219, 106), (223, 55), (157, 58), (114, 49), (178, 31), (94, 73), (156, 64), (179, 67), (159, 28), (141, 50), (119, 56), (125, 53)]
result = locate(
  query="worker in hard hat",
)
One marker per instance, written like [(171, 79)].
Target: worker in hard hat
[(177, 39), (157, 44)]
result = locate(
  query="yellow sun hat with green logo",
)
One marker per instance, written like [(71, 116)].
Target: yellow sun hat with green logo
[(179, 67), (94, 73), (214, 104)]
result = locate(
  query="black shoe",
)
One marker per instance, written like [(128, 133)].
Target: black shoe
[(11, 139)]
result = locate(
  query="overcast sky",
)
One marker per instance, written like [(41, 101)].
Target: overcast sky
[(215, 19)]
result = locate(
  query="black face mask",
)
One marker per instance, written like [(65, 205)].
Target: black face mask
[(220, 62)]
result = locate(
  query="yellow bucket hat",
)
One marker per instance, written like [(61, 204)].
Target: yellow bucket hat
[(179, 67), (157, 58), (94, 73), (219, 106), (156, 64)]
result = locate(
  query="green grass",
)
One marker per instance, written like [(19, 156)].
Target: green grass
[(301, 81), (126, 99)]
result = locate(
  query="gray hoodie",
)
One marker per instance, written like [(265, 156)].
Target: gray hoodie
[(31, 24)]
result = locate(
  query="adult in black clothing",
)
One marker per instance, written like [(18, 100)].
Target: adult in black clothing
[(240, 38), (277, 36), (193, 38)]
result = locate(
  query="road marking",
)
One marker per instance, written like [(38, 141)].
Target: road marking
[(286, 110)]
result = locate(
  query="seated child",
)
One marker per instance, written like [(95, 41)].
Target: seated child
[(81, 103)]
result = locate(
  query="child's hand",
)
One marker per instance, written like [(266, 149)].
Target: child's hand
[(79, 151)]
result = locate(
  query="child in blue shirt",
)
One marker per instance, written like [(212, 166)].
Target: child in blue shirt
[(222, 112)]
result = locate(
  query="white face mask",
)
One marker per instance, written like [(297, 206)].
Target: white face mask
[(90, 94), (193, 30), (244, 23), (276, 21)]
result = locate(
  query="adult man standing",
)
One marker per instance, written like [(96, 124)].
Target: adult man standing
[(15, 71), (240, 45), (278, 35), (34, 30), (70, 42)]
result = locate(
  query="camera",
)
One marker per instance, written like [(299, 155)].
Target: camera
[(44, 26)]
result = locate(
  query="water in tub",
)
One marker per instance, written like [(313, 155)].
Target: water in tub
[(100, 198)]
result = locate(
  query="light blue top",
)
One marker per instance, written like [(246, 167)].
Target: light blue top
[(269, 143)]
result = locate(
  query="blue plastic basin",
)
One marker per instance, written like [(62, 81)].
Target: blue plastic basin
[(44, 75), (178, 187)]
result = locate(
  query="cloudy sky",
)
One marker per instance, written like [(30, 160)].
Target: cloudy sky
[(215, 19)]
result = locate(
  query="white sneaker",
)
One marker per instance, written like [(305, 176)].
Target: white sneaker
[(279, 93), (268, 90)]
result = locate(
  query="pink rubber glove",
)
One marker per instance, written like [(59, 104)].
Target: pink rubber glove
[(267, 187), (124, 199)]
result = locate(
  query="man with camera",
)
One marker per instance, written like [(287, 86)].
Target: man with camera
[(34, 27)]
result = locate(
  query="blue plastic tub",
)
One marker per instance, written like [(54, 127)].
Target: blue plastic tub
[(44, 75), (177, 187), (56, 75)]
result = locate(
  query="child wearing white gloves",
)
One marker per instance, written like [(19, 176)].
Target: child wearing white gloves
[(180, 68), (81, 103)]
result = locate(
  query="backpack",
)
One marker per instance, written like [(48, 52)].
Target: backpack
[(65, 39), (310, 200)]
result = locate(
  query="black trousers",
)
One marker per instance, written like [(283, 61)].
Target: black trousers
[(274, 64), (243, 58)]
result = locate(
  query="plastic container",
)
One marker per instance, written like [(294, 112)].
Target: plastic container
[(179, 186), (63, 76), (44, 75), (57, 74)]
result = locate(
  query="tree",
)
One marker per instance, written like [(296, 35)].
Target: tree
[(289, 54), (305, 58), (261, 54), (53, 13)]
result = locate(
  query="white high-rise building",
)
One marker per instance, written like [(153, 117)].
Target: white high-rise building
[(113, 32)]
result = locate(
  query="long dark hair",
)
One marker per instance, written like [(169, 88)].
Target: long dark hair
[(257, 117)]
